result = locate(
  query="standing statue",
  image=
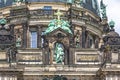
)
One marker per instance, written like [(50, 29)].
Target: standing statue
[(18, 2), (103, 9), (12, 54), (77, 39), (59, 53), (70, 1), (18, 42), (78, 2), (107, 52), (81, 2)]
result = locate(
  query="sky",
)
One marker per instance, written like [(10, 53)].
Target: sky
[(113, 12)]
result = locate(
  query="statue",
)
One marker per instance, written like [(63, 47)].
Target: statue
[(18, 42), (58, 23), (103, 9), (65, 26), (59, 53), (70, 1), (81, 2), (51, 27), (107, 53), (18, 2), (77, 39), (78, 2), (12, 54)]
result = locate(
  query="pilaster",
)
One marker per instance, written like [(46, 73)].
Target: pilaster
[(39, 31), (83, 36), (24, 42)]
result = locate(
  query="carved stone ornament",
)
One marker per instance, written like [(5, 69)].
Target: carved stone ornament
[(58, 23), (6, 38)]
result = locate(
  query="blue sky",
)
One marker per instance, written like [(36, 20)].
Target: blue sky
[(113, 12)]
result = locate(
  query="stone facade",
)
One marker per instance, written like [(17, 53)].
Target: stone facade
[(27, 54)]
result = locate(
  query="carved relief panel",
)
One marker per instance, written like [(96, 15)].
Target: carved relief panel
[(30, 58), (86, 57)]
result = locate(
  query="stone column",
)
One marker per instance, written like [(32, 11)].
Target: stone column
[(12, 32), (71, 56), (46, 53), (39, 30), (66, 58), (97, 42), (87, 42), (83, 36), (24, 42), (51, 54), (119, 56), (45, 56)]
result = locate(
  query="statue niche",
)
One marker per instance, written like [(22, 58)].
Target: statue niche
[(57, 35)]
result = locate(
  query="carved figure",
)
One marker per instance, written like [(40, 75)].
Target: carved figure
[(77, 39), (18, 2), (103, 9), (59, 53), (12, 54), (81, 2), (51, 27), (58, 23), (18, 42), (54, 24), (78, 2)]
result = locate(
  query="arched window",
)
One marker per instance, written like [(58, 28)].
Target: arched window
[(33, 39)]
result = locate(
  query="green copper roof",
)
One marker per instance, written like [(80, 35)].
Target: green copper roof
[(55, 24), (111, 23), (3, 21)]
